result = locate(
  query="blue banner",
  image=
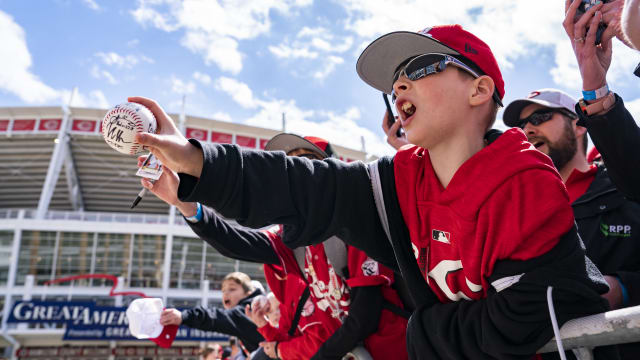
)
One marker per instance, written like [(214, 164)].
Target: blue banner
[(86, 321)]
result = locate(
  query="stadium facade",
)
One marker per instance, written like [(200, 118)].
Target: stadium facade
[(72, 253)]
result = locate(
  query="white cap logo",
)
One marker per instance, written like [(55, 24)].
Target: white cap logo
[(425, 32)]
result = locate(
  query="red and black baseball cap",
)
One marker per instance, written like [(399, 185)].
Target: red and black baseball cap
[(379, 61), (288, 142)]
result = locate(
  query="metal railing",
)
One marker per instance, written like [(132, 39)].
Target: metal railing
[(612, 327), (138, 218)]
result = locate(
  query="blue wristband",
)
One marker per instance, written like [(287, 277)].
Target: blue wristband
[(625, 293), (197, 217), (596, 94)]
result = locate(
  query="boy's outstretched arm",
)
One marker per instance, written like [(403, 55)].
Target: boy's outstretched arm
[(313, 199)]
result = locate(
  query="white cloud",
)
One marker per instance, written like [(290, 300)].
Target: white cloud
[(215, 49), (329, 66), (239, 92), (120, 61), (92, 4), (17, 78), (314, 43), (634, 109), (182, 87), (203, 78), (222, 116), (15, 73), (100, 73), (514, 30), (95, 98), (133, 43), (284, 51), (339, 128), (213, 29)]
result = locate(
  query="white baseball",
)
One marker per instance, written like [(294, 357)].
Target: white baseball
[(123, 122)]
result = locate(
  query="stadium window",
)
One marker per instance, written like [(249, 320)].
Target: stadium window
[(216, 267), (255, 271), (111, 257), (6, 241), (186, 263), (36, 256), (74, 256), (147, 261)]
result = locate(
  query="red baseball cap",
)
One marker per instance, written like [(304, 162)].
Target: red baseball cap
[(381, 58), (166, 337), (287, 142)]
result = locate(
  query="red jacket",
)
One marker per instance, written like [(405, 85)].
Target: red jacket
[(329, 298), (456, 233), (390, 340), (288, 284)]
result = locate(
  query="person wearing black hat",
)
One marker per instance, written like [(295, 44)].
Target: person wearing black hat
[(481, 230)]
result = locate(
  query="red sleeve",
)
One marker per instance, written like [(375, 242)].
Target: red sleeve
[(305, 345), (271, 333), (527, 216), (364, 271)]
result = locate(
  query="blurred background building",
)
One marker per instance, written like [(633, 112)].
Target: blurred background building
[(64, 211)]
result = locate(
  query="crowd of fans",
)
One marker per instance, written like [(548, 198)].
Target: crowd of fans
[(452, 248)]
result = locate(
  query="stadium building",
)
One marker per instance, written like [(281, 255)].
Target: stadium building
[(64, 214)]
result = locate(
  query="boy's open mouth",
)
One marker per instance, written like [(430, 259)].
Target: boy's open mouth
[(408, 109)]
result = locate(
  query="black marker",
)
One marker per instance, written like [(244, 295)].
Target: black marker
[(144, 190)]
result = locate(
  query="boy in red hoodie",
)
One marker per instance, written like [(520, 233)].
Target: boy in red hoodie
[(479, 227)]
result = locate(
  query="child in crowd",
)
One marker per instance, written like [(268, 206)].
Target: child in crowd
[(237, 292)]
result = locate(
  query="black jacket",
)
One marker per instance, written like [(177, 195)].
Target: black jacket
[(231, 322), (317, 199), (253, 246), (608, 213)]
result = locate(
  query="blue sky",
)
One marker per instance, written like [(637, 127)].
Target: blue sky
[(249, 61)]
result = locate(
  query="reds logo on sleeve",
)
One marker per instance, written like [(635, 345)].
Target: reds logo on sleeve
[(370, 267)]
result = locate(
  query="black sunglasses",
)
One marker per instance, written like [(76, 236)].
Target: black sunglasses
[(420, 66), (542, 116)]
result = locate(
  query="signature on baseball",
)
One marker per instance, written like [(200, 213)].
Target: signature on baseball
[(116, 126)]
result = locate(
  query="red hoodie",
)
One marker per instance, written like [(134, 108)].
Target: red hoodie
[(390, 340), (459, 233), (287, 284), (329, 301)]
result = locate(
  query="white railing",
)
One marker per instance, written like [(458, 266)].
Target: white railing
[(9, 213), (137, 218), (612, 327)]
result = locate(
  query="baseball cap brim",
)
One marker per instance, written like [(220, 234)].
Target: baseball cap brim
[(167, 336), (381, 58), (511, 116), (288, 142)]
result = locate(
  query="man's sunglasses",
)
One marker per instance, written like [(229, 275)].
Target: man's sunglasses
[(428, 64), (542, 116)]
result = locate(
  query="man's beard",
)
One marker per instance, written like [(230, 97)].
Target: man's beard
[(562, 151)]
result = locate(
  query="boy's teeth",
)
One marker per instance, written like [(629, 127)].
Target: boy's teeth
[(408, 108)]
